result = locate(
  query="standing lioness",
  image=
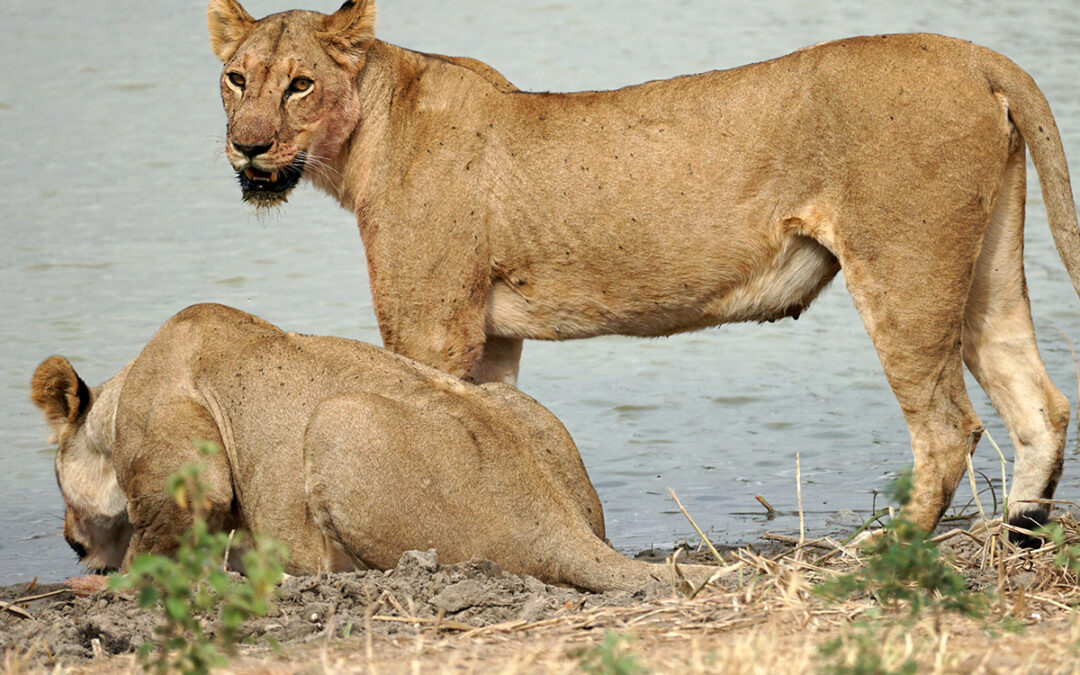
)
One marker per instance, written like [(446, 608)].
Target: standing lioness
[(490, 215), (346, 452)]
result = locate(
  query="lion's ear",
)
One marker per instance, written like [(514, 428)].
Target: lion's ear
[(229, 24), (350, 31), (60, 393)]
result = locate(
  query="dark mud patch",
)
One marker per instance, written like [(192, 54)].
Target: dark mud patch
[(67, 628)]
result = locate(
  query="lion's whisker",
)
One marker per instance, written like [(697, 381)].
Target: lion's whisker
[(323, 166), (323, 171)]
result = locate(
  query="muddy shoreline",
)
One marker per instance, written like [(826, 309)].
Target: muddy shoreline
[(762, 616), (69, 628)]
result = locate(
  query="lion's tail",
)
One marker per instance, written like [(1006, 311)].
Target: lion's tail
[(1031, 114), (601, 568)]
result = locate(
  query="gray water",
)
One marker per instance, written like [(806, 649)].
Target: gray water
[(118, 209)]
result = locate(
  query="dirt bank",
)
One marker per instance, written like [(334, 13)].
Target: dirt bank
[(69, 628), (762, 616)]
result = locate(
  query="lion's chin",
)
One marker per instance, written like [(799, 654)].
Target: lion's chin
[(264, 200), (103, 562), (100, 568)]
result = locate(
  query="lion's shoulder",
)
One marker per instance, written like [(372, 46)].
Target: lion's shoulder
[(497, 79), (212, 318)]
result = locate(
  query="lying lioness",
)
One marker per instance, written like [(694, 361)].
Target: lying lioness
[(490, 215), (347, 453)]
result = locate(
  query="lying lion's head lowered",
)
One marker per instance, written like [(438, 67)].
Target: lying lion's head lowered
[(96, 524), (287, 86)]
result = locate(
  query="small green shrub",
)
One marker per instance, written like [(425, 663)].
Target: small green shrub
[(194, 585), (610, 658), (1065, 555), (904, 566)]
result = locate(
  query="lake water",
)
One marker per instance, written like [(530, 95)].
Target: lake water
[(119, 209)]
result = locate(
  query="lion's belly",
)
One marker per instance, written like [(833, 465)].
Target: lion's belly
[(553, 308)]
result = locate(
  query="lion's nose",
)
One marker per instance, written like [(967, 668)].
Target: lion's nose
[(252, 151)]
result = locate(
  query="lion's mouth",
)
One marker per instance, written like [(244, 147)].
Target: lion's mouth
[(270, 186)]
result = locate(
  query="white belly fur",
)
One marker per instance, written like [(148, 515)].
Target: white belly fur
[(783, 286)]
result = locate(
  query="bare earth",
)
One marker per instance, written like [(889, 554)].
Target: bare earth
[(759, 617)]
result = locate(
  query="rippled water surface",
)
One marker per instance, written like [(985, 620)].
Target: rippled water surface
[(118, 209)]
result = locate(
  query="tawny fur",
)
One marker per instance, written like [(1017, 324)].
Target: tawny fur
[(346, 452), (490, 215)]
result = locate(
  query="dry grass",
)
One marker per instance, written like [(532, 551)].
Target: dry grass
[(761, 617), (764, 620)]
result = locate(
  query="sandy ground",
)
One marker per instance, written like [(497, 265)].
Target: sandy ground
[(70, 628), (759, 617)]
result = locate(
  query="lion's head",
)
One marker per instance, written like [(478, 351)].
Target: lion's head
[(289, 89), (96, 524)]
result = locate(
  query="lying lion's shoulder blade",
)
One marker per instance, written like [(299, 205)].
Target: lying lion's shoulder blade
[(211, 311), (209, 317), (393, 376), (204, 331)]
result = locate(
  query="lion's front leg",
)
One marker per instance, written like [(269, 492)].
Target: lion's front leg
[(430, 304), (153, 452), (500, 361), (453, 344)]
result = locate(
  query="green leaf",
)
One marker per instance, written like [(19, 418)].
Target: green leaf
[(176, 609), (148, 596)]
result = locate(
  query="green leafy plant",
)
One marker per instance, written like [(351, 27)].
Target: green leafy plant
[(191, 586), (610, 658), (904, 566), (1066, 555)]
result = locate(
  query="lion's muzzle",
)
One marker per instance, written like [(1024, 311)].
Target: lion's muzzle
[(270, 186)]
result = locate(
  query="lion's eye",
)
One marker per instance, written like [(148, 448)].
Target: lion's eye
[(237, 79), (299, 85)]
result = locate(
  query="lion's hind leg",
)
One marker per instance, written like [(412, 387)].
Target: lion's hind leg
[(384, 476), (910, 284), (352, 480), (1000, 351)]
